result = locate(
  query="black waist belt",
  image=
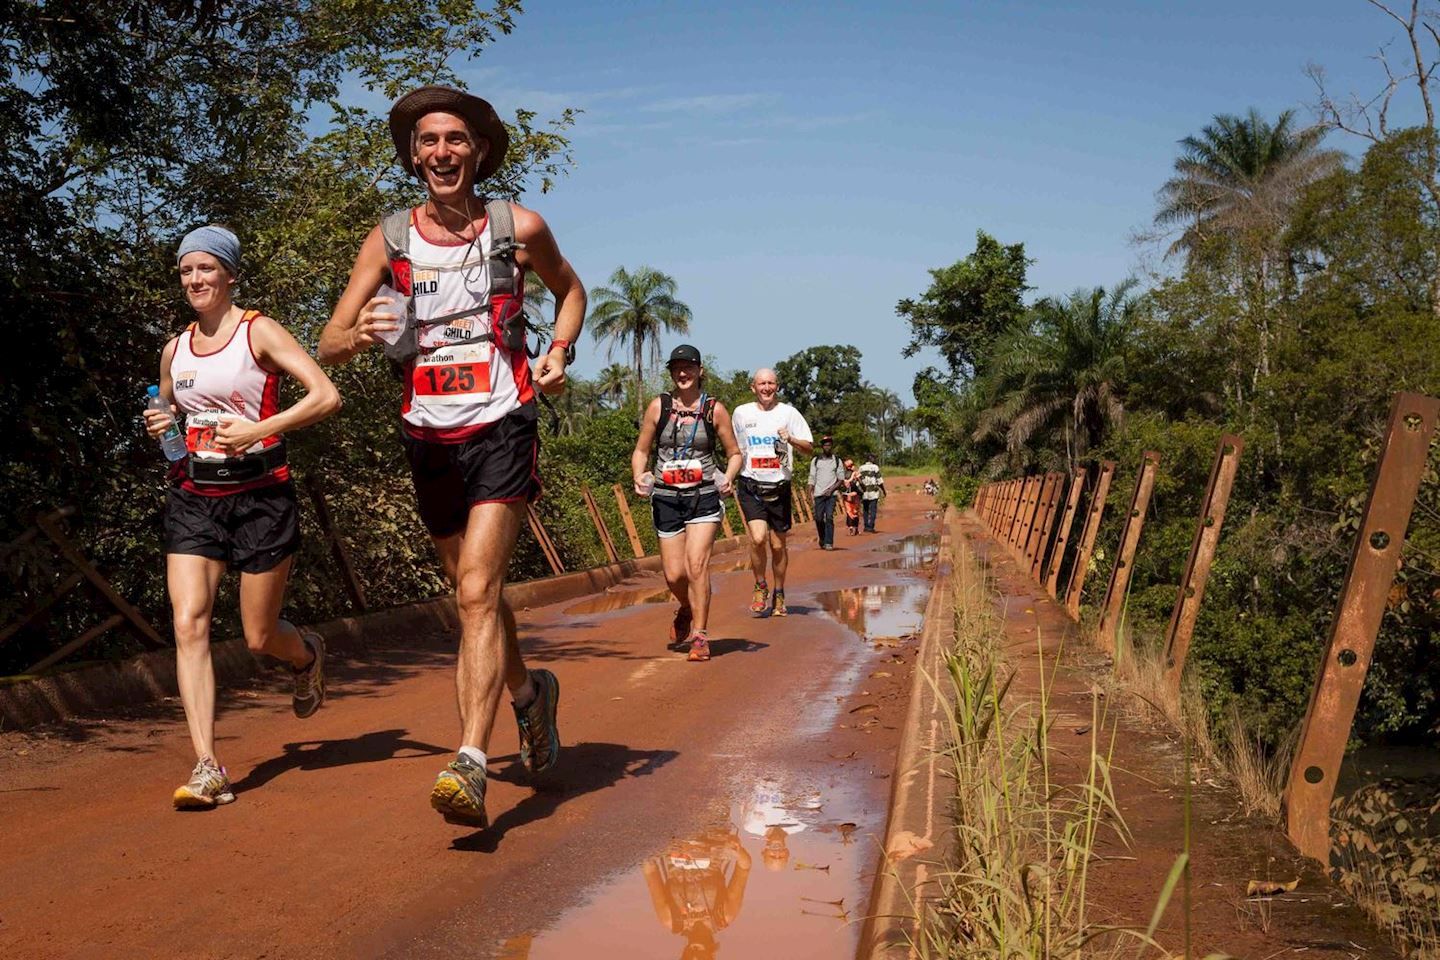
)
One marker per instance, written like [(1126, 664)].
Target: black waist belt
[(233, 470), (765, 490)]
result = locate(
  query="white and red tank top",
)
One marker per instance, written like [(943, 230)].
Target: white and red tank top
[(228, 382), (454, 390)]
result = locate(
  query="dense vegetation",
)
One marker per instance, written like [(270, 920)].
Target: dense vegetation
[(1302, 300)]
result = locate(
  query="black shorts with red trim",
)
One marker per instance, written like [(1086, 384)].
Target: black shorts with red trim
[(251, 530), (500, 464)]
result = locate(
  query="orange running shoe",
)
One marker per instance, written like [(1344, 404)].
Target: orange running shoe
[(760, 599), (699, 648), (779, 610)]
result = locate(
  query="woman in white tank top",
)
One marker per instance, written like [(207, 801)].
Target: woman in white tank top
[(231, 503)]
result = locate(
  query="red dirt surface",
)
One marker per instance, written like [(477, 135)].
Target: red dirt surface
[(1227, 848), (331, 849)]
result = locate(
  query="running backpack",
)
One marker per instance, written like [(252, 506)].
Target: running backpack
[(667, 407), (505, 302)]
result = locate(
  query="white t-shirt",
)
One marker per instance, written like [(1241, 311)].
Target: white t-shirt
[(768, 459)]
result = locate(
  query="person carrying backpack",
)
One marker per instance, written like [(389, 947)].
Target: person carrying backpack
[(453, 325), (872, 488), (850, 497), (685, 429), (827, 476)]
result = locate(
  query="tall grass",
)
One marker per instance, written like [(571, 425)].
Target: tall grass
[(1226, 746), (1017, 883)]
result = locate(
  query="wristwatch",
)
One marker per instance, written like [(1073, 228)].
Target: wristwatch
[(567, 346)]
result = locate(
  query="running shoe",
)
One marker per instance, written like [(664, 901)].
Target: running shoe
[(310, 681), (209, 786), (779, 610), (699, 648), (459, 793), (760, 599), (539, 734), (680, 627)]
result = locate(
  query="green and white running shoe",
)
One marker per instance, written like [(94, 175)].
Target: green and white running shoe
[(310, 682), (209, 786), (539, 733), (459, 793)]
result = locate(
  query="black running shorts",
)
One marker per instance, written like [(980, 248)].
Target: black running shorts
[(251, 531), (768, 502), (500, 464), (673, 510)]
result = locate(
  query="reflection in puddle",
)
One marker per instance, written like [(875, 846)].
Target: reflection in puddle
[(917, 552), (921, 546), (687, 900), (609, 602), (879, 611), (697, 886)]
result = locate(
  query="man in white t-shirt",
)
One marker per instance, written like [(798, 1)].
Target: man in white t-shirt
[(769, 433)]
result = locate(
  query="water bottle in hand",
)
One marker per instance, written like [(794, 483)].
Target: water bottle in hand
[(646, 484), (172, 442), (397, 311)]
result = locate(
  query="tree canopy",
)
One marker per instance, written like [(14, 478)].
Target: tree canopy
[(968, 304)]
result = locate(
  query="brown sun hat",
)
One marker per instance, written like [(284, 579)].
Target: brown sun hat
[(478, 113)]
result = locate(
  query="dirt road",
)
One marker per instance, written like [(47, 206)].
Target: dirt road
[(736, 802)]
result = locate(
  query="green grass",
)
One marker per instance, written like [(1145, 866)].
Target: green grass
[(1016, 883)]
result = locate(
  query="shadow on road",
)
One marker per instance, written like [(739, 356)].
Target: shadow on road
[(323, 754), (585, 768), (724, 645)]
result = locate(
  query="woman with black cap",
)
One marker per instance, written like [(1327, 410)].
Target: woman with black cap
[(231, 503), (684, 429)]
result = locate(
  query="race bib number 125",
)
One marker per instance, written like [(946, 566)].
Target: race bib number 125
[(450, 376)]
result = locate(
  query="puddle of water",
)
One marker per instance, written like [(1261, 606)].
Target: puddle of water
[(893, 610), (917, 552), (921, 546), (779, 877), (619, 600)]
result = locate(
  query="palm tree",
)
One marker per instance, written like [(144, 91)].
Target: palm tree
[(610, 384), (537, 298), (633, 309), (1062, 371), (1241, 178)]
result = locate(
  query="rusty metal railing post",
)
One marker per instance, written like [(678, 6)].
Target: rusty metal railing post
[(1049, 514), (1032, 538), (622, 503), (1022, 487), (1374, 558), (1202, 556), (1030, 498), (1007, 519), (1093, 516), (1062, 536), (1114, 606), (1040, 493), (1013, 514)]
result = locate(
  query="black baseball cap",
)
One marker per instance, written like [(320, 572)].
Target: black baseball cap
[(826, 438), (683, 353)]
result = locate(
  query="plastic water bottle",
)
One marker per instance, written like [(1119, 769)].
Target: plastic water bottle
[(647, 484), (396, 309), (172, 442)]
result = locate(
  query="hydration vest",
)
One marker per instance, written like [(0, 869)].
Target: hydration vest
[(505, 299)]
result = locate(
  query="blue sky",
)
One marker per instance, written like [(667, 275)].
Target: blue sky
[(798, 166)]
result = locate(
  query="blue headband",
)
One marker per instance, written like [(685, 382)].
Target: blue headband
[(216, 241)]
